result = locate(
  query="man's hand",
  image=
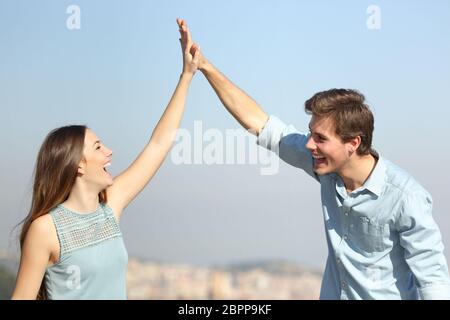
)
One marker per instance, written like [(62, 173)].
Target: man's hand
[(241, 106)]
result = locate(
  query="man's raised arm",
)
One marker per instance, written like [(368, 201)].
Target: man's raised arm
[(242, 107)]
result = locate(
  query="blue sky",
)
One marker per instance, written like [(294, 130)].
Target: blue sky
[(117, 72)]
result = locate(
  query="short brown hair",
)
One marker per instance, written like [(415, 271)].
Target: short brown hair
[(352, 117)]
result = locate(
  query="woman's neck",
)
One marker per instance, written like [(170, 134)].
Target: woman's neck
[(82, 200)]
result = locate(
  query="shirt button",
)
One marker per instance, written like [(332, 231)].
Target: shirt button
[(338, 260), (351, 226), (345, 237), (346, 213)]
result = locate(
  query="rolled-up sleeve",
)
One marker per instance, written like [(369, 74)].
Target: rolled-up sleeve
[(421, 239), (288, 143)]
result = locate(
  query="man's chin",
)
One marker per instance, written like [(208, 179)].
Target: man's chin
[(321, 171)]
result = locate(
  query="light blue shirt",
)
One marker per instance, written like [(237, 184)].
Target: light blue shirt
[(382, 240), (93, 258)]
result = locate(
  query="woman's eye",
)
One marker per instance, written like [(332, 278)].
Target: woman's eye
[(97, 148)]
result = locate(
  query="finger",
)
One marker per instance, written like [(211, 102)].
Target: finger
[(182, 46), (180, 27), (196, 56), (187, 34), (188, 49), (181, 35), (184, 41), (193, 48), (180, 24)]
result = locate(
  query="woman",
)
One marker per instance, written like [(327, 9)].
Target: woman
[(71, 244)]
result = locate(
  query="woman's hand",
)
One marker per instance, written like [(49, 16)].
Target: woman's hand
[(191, 51)]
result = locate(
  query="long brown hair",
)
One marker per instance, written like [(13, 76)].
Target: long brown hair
[(54, 176)]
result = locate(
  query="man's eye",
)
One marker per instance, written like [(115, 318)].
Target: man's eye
[(319, 138), (97, 148)]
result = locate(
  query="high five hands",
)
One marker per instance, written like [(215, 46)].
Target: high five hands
[(192, 56)]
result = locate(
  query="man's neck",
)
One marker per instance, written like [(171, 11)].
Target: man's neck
[(357, 171)]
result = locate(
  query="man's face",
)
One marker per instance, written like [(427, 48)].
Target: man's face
[(329, 152)]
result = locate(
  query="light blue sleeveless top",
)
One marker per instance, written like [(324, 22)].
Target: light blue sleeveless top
[(93, 258)]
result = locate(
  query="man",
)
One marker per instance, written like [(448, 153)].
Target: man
[(383, 242)]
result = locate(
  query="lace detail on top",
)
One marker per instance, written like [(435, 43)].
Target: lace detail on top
[(76, 231)]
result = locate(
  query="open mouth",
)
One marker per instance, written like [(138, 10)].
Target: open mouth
[(106, 165), (319, 159)]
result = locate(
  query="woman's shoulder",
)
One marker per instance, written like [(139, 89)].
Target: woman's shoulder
[(42, 225), (43, 232)]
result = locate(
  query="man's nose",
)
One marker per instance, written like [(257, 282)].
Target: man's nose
[(310, 145)]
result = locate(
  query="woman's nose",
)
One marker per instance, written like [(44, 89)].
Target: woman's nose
[(108, 152)]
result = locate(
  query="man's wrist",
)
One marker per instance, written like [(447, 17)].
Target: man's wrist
[(205, 66)]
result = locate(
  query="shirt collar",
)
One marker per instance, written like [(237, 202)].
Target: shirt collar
[(377, 179), (374, 183)]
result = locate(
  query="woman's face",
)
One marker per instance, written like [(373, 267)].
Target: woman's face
[(96, 158)]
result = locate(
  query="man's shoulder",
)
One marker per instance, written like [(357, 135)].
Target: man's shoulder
[(402, 180)]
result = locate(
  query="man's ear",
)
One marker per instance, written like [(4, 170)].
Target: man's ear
[(354, 143)]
